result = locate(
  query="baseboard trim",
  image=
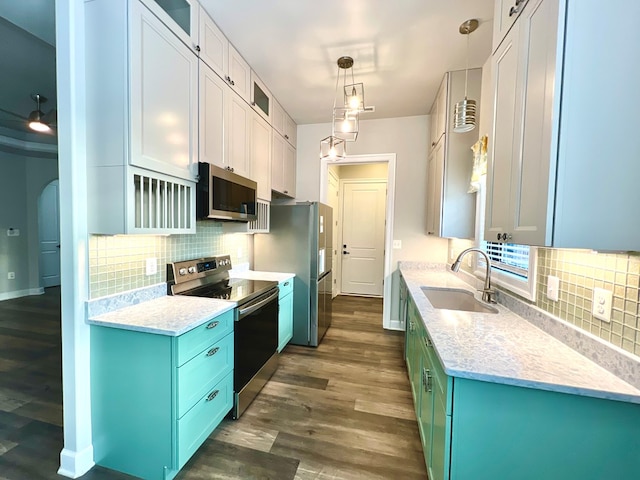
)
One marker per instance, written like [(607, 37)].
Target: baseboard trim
[(75, 464), (395, 325), (21, 293)]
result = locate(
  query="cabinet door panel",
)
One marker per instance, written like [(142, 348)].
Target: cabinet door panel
[(434, 189), (285, 321), (240, 74), (277, 162), (237, 136), (289, 173), (261, 155), (530, 176), (212, 114), (164, 114), (214, 46), (505, 130)]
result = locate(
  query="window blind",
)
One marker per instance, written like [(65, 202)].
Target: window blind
[(509, 257)]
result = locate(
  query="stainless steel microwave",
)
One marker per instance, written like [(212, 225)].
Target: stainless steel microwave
[(224, 195)]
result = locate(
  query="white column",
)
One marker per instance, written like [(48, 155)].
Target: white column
[(76, 457)]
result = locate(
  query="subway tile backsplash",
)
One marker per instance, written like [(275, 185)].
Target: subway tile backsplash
[(118, 263)]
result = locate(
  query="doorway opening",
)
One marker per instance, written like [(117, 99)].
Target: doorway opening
[(49, 235), (369, 180)]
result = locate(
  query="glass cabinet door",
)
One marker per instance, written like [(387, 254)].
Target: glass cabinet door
[(181, 16)]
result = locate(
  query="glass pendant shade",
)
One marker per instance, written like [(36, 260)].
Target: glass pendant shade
[(345, 124), (464, 116), (354, 97), (333, 148)]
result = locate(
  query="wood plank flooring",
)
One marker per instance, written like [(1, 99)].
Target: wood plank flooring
[(339, 411)]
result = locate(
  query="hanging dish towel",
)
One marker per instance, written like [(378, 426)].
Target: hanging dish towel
[(479, 163)]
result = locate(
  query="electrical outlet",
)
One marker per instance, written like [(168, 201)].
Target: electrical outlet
[(13, 232), (397, 244), (601, 304), (11, 275), (152, 266), (553, 288)]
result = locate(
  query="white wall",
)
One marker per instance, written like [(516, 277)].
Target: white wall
[(21, 183), (407, 138)]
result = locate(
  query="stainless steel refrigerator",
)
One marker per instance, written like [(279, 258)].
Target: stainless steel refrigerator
[(299, 242)]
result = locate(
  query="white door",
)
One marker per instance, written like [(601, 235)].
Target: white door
[(363, 218), (48, 223), (333, 200)]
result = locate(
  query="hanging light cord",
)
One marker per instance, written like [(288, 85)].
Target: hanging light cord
[(466, 70)]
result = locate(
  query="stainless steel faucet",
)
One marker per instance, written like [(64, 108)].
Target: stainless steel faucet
[(488, 294)]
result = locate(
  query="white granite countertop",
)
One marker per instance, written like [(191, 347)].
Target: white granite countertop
[(168, 315), (505, 348), (254, 275)]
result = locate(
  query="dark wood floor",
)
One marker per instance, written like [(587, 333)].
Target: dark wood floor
[(341, 411)]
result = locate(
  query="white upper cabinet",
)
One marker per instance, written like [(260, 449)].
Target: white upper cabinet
[(213, 91), (573, 177), (283, 166), (181, 16), (261, 99), (290, 130), (238, 135), (164, 114), (450, 208), (505, 14), (223, 58), (141, 132), (261, 155), (277, 118)]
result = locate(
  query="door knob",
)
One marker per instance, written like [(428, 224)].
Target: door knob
[(345, 252)]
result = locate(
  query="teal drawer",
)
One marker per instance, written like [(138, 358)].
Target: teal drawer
[(196, 340), (200, 374), (286, 287), (203, 418)]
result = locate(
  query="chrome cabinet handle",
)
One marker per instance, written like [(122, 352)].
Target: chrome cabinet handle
[(286, 191), (286, 136), (427, 342), (197, 47), (286, 284), (212, 395), (212, 352), (517, 7), (426, 379), (212, 325)]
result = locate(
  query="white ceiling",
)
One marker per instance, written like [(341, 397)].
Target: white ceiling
[(401, 48)]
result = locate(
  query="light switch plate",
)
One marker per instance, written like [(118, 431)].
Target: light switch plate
[(13, 232), (601, 305), (553, 288)]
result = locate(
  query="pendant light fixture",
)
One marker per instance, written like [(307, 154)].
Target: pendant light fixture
[(333, 148), (35, 121), (464, 116), (345, 122)]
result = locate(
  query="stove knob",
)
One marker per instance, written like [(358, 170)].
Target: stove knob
[(192, 269), (182, 271)]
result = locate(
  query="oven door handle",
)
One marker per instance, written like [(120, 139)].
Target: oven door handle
[(252, 308)]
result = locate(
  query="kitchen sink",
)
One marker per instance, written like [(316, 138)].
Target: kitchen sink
[(456, 299)]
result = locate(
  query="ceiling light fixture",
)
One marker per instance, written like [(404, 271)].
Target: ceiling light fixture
[(333, 148), (345, 118), (35, 121), (464, 116)]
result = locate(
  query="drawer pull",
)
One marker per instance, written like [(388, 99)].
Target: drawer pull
[(426, 379), (212, 352), (212, 395), (286, 284), (427, 342), (212, 325)]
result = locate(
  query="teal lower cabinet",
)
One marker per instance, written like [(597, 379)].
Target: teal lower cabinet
[(156, 398), (476, 430), (285, 313)]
